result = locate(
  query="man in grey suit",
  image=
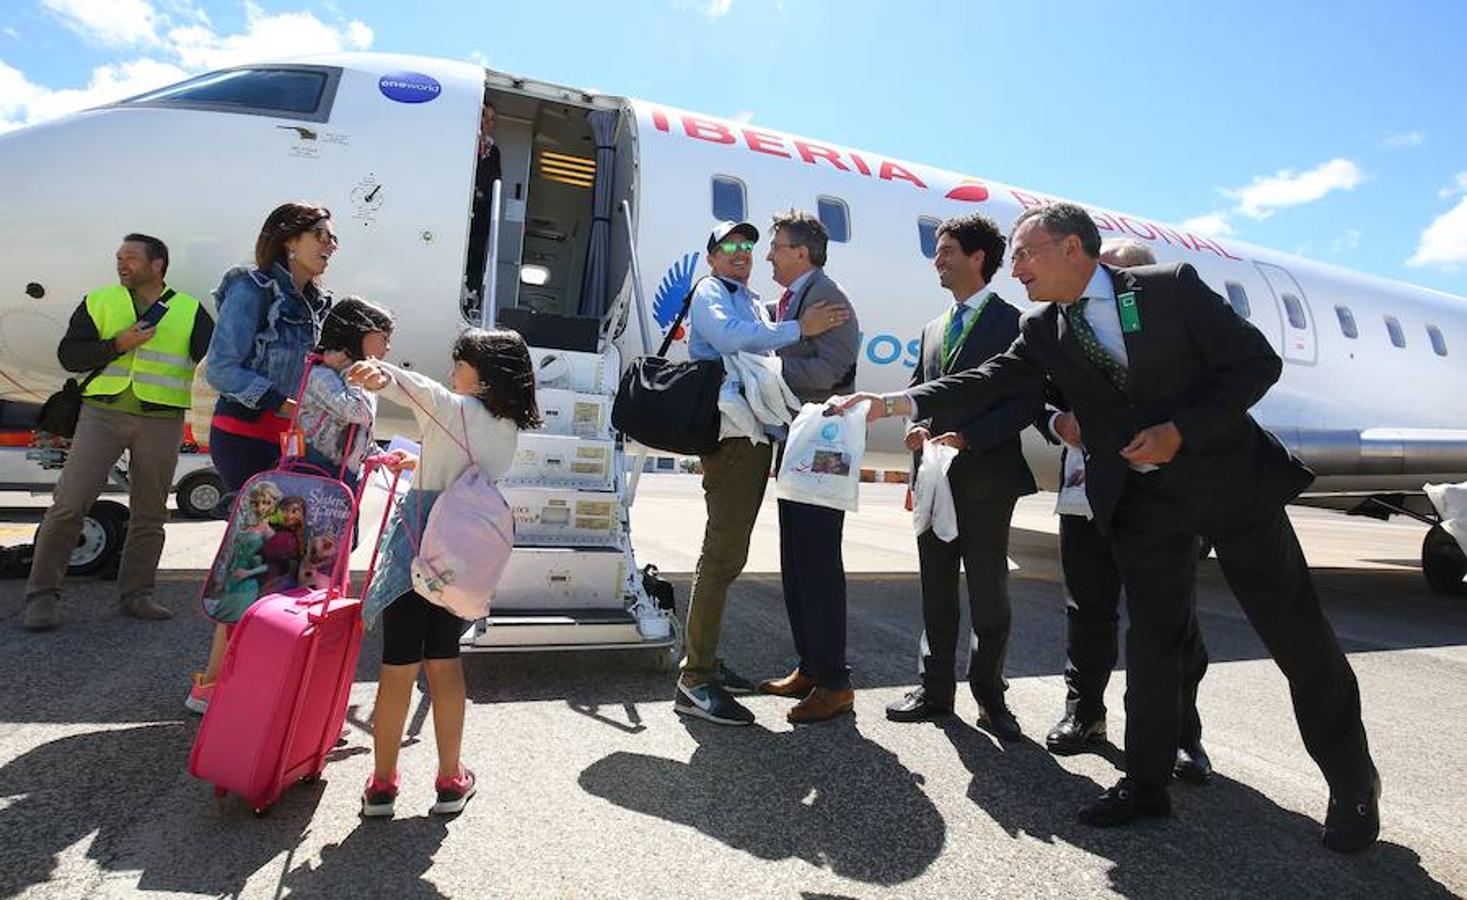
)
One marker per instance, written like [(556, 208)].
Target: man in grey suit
[(987, 478), (810, 536)]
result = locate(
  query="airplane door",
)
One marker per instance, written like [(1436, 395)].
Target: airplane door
[(1299, 342)]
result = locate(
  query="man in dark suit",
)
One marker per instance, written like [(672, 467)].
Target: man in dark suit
[(1160, 374), (810, 562), (1093, 597), (487, 170), (986, 478)]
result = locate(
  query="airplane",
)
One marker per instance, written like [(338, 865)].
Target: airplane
[(602, 212)]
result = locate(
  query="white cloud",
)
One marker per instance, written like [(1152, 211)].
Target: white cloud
[(9, 30), (1214, 224), (180, 51), (717, 8), (1444, 242), (1268, 194), (1458, 186), (265, 37), (112, 23), (744, 116), (1402, 140), (478, 58), (1350, 240)]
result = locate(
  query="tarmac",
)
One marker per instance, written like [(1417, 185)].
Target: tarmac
[(590, 785)]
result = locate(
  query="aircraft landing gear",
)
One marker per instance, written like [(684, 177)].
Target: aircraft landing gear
[(1443, 563)]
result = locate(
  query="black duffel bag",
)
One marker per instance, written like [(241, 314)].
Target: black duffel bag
[(667, 405), (59, 413)]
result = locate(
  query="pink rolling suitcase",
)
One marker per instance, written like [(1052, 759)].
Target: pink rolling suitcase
[(280, 701)]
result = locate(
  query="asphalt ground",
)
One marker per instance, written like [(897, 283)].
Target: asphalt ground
[(590, 785)]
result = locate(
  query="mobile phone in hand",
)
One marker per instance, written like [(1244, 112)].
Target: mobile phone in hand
[(154, 314)]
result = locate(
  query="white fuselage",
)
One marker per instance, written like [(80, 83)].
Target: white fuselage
[(399, 179)]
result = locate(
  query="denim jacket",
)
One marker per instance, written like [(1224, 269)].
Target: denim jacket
[(265, 329)]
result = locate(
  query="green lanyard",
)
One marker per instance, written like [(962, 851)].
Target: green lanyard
[(950, 347)]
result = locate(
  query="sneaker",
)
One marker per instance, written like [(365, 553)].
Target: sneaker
[(733, 682), (454, 793), (379, 798), (712, 702), (198, 695)]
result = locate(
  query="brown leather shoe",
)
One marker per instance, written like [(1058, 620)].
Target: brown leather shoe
[(795, 684), (822, 704)]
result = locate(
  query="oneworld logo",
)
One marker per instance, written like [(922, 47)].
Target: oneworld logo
[(409, 87)]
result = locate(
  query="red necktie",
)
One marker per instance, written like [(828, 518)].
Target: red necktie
[(784, 306)]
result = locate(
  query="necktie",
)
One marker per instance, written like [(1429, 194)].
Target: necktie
[(955, 330), (1108, 365), (784, 306)]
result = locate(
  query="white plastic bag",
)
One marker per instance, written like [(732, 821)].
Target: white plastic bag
[(932, 496), (822, 458), (1072, 500)]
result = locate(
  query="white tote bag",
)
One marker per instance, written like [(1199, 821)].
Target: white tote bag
[(932, 497), (822, 458), (1072, 500)]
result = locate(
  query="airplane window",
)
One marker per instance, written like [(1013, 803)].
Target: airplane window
[(1295, 311), (1393, 328), (729, 202), (1347, 322), (1238, 299), (927, 236), (297, 92), (1438, 343), (835, 217)]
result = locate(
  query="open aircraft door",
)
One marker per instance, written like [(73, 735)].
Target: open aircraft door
[(1299, 341)]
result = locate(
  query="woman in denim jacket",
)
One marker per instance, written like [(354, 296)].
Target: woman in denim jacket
[(269, 318)]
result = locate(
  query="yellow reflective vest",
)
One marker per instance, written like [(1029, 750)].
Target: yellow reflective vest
[(159, 371)]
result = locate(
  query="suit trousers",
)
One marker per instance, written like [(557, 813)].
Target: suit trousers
[(1092, 598), (1266, 569), (981, 547), (734, 478), (814, 579), (101, 437)]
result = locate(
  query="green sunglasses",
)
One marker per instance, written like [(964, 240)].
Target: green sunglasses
[(736, 246)]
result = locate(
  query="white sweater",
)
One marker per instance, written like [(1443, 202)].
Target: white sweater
[(492, 439)]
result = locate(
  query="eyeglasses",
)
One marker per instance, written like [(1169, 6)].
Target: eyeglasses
[(1024, 254), (774, 245), (326, 235), (736, 246)]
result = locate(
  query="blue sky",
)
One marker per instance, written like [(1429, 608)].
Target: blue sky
[(1334, 130)]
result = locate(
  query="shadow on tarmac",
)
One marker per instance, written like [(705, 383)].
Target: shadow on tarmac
[(826, 795)]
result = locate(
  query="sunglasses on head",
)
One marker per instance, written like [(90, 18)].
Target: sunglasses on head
[(736, 246)]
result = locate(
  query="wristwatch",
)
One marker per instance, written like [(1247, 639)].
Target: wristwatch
[(888, 403)]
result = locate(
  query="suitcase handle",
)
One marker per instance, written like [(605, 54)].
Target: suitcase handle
[(342, 585)]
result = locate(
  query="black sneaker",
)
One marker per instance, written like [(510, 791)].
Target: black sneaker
[(454, 793), (712, 702), (733, 682)]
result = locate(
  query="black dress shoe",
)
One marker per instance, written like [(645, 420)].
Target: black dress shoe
[(1125, 802), (1353, 820), (917, 706), (998, 719), (1192, 763), (1074, 735)]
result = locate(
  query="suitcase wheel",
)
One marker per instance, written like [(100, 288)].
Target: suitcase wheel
[(260, 811), (311, 778), (220, 793)]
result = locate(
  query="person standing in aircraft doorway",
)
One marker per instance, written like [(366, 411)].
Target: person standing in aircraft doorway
[(987, 478), (810, 536), (725, 317), (487, 170), (270, 316), (1093, 595)]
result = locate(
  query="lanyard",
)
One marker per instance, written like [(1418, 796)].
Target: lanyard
[(951, 347)]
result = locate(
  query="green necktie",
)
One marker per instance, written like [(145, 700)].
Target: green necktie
[(1090, 344)]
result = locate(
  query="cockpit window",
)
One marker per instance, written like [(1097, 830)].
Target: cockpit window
[(295, 92)]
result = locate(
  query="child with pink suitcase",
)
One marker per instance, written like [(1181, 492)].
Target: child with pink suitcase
[(474, 422)]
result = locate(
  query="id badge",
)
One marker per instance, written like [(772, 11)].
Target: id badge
[(1130, 313)]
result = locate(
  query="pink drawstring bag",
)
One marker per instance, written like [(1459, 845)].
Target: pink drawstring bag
[(465, 544)]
